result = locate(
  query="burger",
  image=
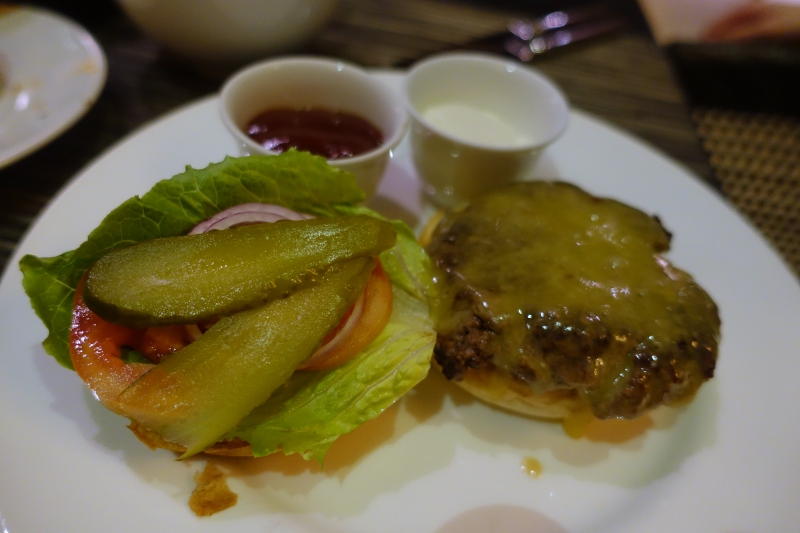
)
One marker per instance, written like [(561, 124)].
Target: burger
[(250, 307), (554, 303)]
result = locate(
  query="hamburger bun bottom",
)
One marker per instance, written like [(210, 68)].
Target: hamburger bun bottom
[(232, 448), (499, 388)]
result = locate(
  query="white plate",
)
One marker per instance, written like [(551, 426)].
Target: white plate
[(51, 71), (728, 463)]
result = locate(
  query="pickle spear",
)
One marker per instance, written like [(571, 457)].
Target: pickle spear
[(198, 394), (186, 279)]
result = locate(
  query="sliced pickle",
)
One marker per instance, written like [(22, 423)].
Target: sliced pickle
[(183, 280), (197, 394)]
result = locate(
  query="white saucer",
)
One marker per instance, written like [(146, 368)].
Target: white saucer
[(51, 72)]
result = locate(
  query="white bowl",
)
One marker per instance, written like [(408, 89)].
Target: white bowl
[(479, 122), (306, 82), (230, 31)]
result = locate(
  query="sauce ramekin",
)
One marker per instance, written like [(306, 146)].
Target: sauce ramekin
[(309, 82), (455, 166)]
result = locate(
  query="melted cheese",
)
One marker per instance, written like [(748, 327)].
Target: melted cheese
[(542, 255)]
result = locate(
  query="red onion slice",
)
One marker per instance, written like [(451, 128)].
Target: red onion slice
[(256, 213), (326, 349), (252, 213), (194, 331)]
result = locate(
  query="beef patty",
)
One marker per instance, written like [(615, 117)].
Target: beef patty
[(565, 291)]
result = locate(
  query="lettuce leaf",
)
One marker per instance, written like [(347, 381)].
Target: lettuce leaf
[(310, 411), (314, 408), (173, 207)]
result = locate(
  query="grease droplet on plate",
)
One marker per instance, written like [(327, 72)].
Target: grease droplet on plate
[(532, 466)]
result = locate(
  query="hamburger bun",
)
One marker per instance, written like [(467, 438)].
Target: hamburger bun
[(555, 303)]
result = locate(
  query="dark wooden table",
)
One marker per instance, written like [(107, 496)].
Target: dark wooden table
[(624, 78)]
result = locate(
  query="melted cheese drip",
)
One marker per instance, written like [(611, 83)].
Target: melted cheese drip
[(576, 425)]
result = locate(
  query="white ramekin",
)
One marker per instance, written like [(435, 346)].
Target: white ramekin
[(307, 82), (454, 166)]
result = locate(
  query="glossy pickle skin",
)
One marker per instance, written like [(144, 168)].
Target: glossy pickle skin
[(314, 408), (564, 290), (276, 289), (199, 393), (190, 278)]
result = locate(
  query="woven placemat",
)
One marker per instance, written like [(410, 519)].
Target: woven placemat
[(756, 158)]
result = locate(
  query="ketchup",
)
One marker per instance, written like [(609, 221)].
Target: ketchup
[(333, 135)]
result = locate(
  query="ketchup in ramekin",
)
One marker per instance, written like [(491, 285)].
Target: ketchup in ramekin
[(332, 135)]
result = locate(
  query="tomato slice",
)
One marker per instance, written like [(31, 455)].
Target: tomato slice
[(96, 344), (96, 349), (375, 314), (155, 343)]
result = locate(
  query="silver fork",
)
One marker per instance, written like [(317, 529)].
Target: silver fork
[(526, 39)]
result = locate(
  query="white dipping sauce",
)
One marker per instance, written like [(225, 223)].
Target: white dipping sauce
[(473, 125)]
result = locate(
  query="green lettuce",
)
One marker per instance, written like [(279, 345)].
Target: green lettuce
[(314, 408)]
